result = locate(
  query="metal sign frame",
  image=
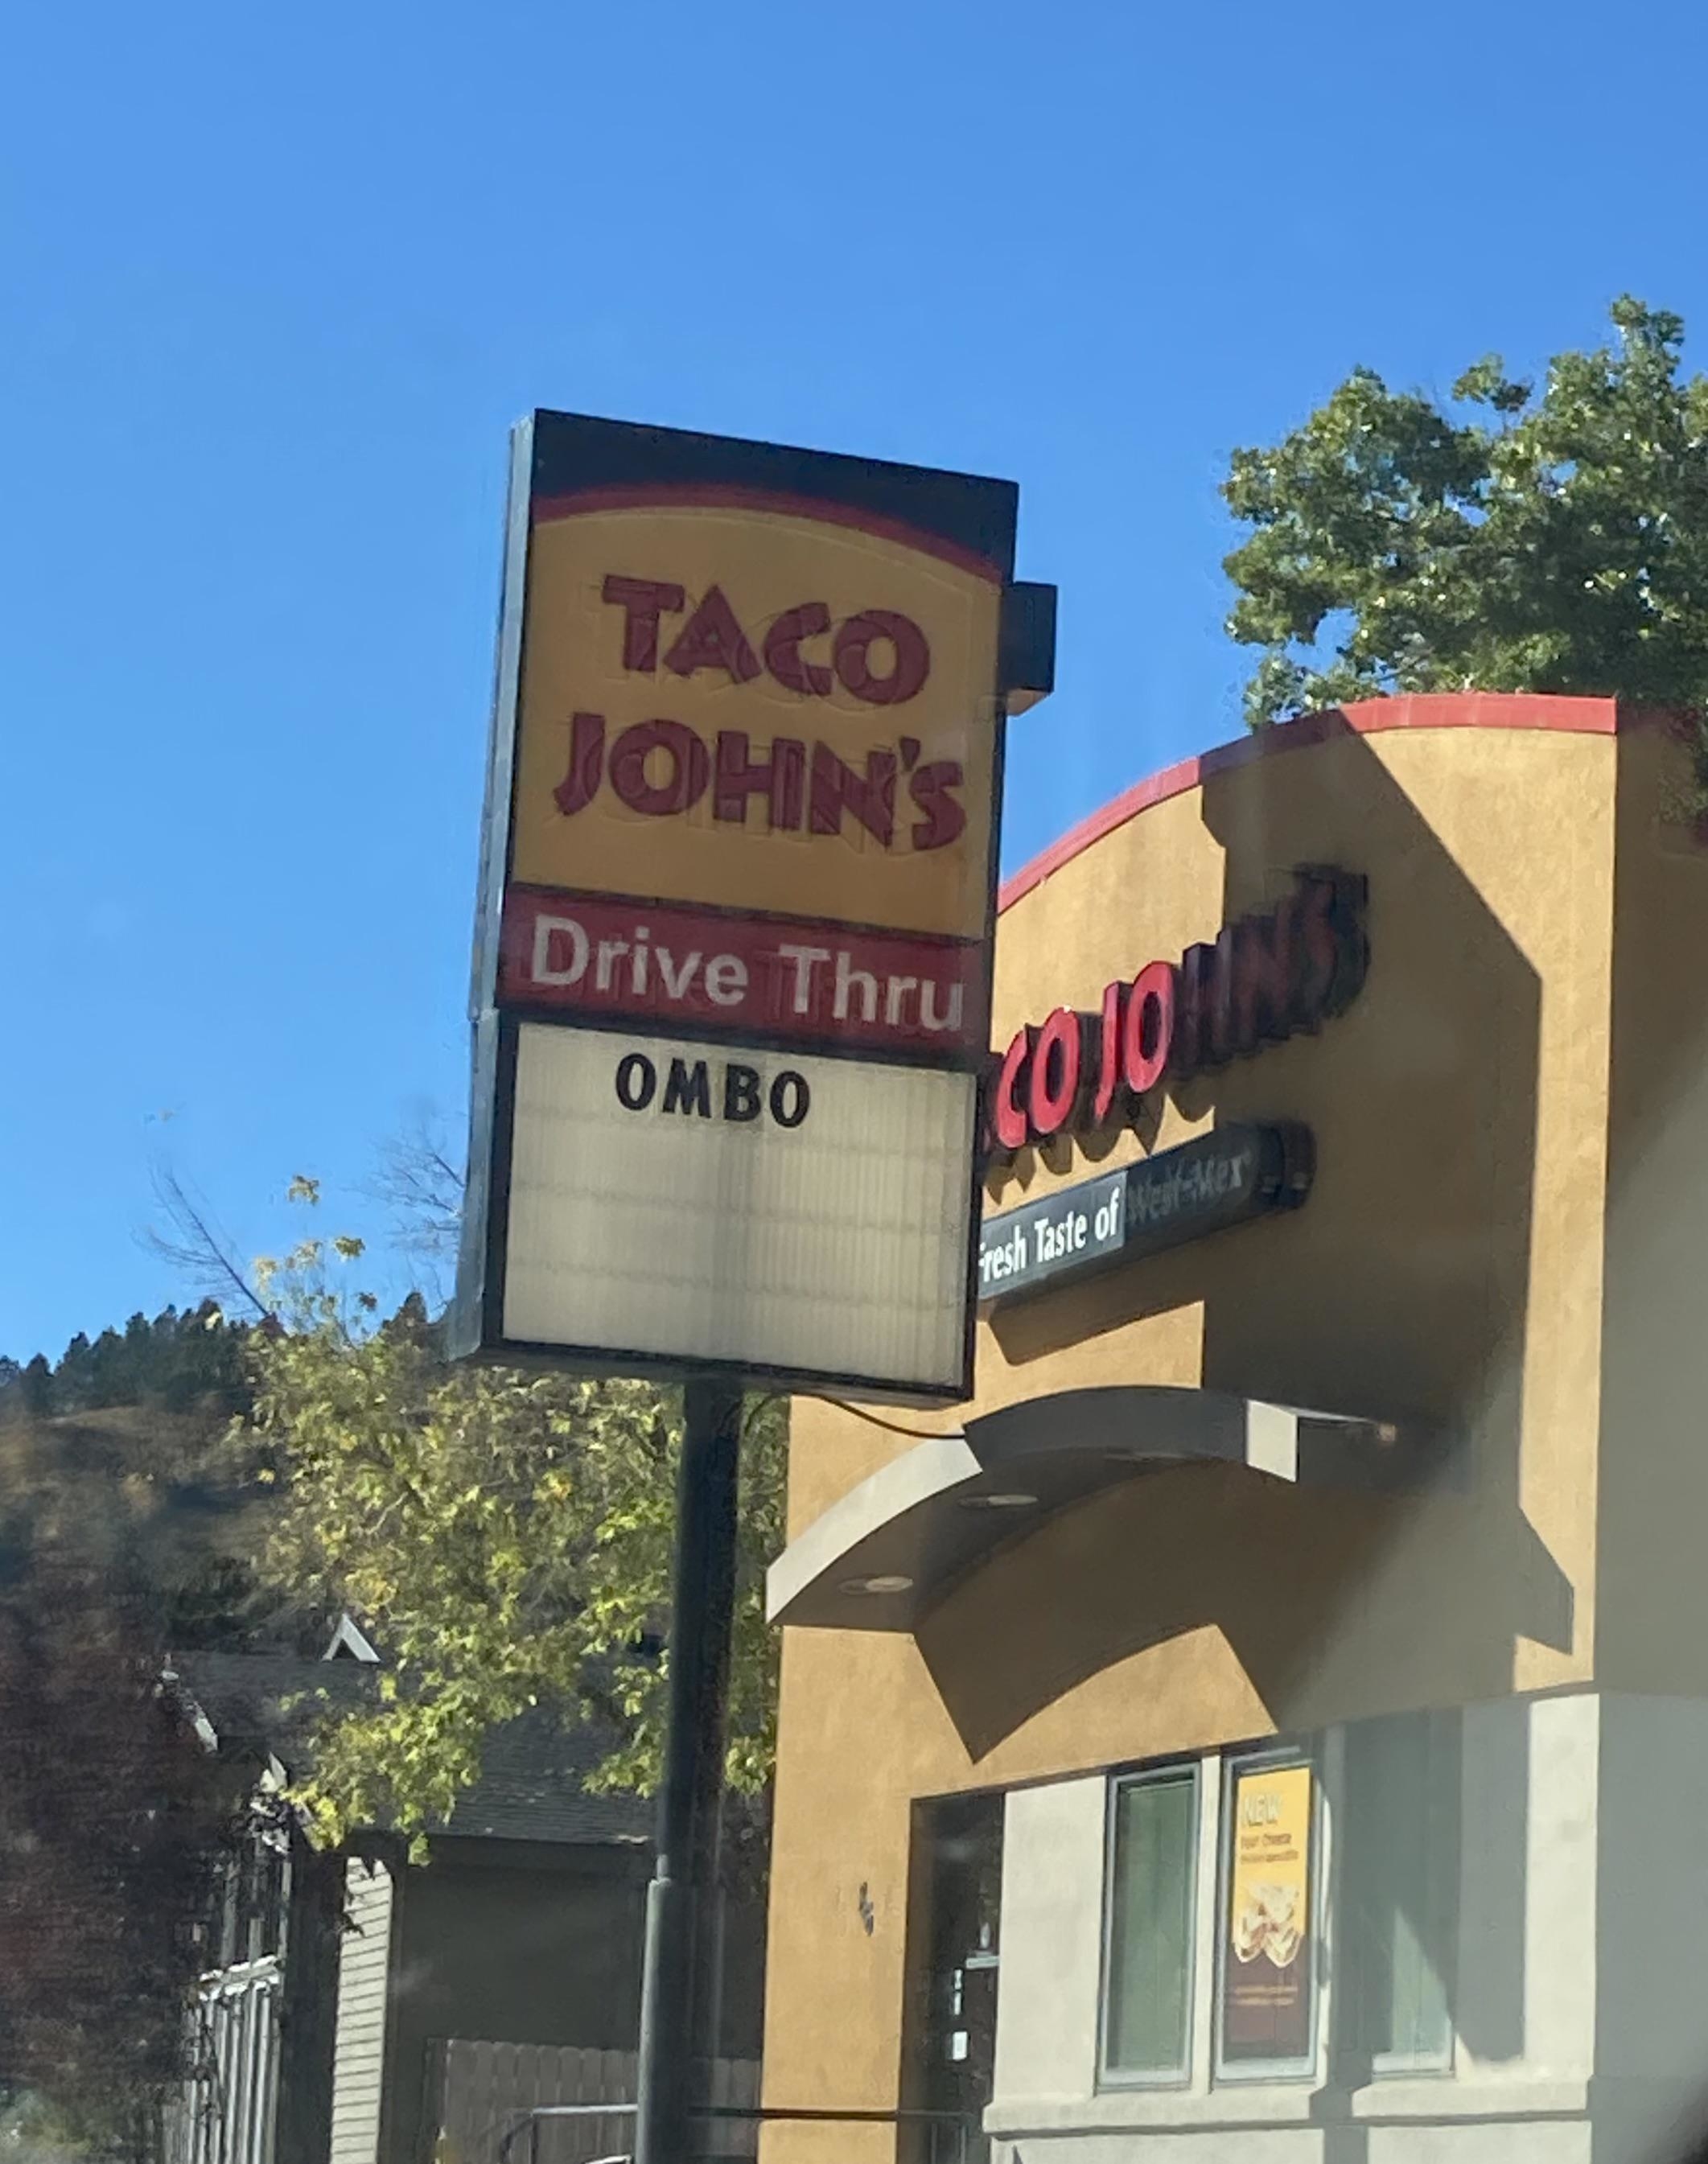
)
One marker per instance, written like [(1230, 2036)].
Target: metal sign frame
[(956, 516)]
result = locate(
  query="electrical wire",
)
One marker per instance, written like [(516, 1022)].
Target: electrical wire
[(917, 1434)]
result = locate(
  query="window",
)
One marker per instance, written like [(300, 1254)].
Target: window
[(1151, 1891), (1397, 1911), (1268, 1925)]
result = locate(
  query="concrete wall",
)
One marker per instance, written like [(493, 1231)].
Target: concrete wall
[(1653, 1634), (1580, 2023), (1523, 1995), (1652, 2082), (1051, 1936), (1652, 1926), (1447, 1267)]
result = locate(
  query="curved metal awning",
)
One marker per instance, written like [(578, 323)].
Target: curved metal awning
[(882, 1555)]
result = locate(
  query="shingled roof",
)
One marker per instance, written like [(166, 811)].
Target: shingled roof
[(534, 1772)]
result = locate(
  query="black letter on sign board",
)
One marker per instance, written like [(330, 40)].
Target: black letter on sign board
[(636, 1079), (689, 1089), (790, 1099), (741, 1092)]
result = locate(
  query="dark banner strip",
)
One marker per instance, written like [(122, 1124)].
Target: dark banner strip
[(1227, 1176)]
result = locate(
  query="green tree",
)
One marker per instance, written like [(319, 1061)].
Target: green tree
[(1506, 541), (113, 1378), (74, 1377), (507, 1537), (35, 1387)]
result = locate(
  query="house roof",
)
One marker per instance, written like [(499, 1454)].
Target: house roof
[(534, 1769), (532, 1787), (350, 1642)]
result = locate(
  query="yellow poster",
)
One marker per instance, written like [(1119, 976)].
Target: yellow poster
[(1266, 1965)]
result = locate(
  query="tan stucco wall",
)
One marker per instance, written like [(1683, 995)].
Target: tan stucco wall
[(1653, 1529), (1447, 1267)]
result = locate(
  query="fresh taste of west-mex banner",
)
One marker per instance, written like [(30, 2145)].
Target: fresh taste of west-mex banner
[(756, 744), (1267, 1956)]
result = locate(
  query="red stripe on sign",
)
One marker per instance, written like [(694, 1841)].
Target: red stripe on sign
[(662, 962)]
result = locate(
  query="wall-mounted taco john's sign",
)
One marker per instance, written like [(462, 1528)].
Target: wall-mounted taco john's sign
[(757, 740), (1263, 979)]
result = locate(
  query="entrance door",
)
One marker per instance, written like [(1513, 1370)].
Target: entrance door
[(952, 2049)]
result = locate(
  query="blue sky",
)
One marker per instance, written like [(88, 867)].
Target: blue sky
[(276, 282)]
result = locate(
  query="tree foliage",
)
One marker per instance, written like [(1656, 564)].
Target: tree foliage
[(507, 1537), (112, 1819), (1504, 541)]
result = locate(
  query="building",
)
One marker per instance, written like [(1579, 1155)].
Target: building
[(352, 2000), (1270, 1721)]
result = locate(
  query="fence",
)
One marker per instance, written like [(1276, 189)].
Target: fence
[(925, 2137), (487, 2093), (223, 2114)]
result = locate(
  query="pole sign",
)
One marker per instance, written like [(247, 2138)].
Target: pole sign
[(733, 955)]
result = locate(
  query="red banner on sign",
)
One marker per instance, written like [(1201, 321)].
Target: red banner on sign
[(593, 956)]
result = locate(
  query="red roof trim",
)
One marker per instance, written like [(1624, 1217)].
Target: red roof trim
[(1443, 710), (695, 496)]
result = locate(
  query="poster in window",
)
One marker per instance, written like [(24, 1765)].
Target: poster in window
[(1267, 1955)]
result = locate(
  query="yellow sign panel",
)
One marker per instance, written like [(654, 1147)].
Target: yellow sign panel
[(752, 709), (1266, 1965)]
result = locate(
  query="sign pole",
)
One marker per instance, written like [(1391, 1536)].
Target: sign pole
[(679, 1899), (732, 986)]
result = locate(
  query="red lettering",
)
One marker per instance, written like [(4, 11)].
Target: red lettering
[(712, 639), (1263, 977), (690, 767), (1194, 1006), (580, 785), (852, 655), (836, 788), (1352, 894), (1222, 1035), (1335, 952), (1008, 1123), (782, 777), (943, 818), (1054, 1089), (1317, 948), (1108, 1053), (642, 601), (1148, 1029), (783, 655)]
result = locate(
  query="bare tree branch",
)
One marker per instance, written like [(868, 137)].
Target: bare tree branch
[(417, 1179), (193, 1242)]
